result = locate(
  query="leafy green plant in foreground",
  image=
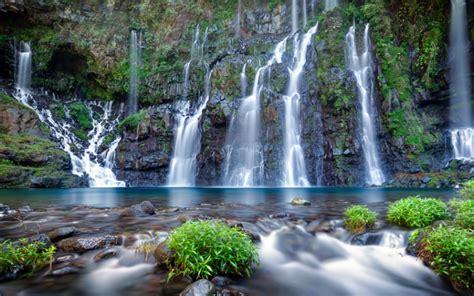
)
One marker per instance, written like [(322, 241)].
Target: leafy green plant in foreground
[(468, 189), (417, 212), (27, 257), (464, 212), (202, 249), (449, 251), (359, 218)]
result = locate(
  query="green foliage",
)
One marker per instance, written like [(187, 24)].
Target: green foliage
[(202, 249), (449, 250), (415, 212), (29, 257), (80, 113), (359, 218), (464, 212), (132, 122), (467, 190)]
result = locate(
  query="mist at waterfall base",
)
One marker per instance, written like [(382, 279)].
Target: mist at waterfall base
[(462, 132), (84, 159), (361, 66)]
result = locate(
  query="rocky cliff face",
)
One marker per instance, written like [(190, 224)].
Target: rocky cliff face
[(81, 50)]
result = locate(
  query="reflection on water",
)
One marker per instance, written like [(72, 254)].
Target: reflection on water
[(186, 197)]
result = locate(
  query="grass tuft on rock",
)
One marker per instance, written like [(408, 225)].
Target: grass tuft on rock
[(449, 251), (464, 212), (359, 218), (468, 189), (203, 249), (24, 256), (416, 212)]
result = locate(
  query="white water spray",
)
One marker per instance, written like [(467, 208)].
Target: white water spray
[(330, 4), (294, 173), (136, 41), (294, 16), (462, 133), (361, 66), (99, 175), (244, 163)]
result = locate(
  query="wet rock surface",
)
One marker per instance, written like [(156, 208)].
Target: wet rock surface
[(84, 244), (199, 288), (143, 209)]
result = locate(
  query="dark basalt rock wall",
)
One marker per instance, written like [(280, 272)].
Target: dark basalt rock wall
[(81, 50)]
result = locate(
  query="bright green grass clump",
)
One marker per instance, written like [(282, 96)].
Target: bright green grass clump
[(359, 218), (29, 257), (468, 189), (416, 212), (202, 249), (464, 212), (449, 250)]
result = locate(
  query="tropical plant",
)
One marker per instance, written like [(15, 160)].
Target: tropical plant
[(359, 218), (416, 212)]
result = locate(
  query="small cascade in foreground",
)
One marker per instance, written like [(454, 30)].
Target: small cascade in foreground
[(136, 41), (244, 163), (462, 132), (187, 140), (294, 173), (294, 16), (361, 66), (330, 5), (88, 163)]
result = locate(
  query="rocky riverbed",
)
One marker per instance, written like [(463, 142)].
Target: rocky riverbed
[(303, 248)]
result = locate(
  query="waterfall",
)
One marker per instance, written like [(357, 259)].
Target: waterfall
[(23, 74), (294, 16), (330, 5), (294, 173), (305, 14), (462, 141), (244, 163), (87, 163), (187, 140), (361, 66), (243, 81), (136, 41), (462, 133)]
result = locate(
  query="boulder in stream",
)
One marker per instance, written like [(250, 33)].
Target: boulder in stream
[(143, 209), (300, 202), (199, 288), (84, 244), (61, 233)]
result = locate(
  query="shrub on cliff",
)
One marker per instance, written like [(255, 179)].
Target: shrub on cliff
[(24, 256), (359, 218), (415, 212), (449, 251), (202, 249)]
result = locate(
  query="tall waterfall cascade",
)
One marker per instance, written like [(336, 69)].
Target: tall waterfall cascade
[(294, 16), (244, 162), (294, 171), (237, 19), (187, 140), (462, 129), (87, 161), (136, 43), (362, 67), (305, 14), (330, 4)]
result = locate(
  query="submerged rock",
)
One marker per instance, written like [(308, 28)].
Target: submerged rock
[(199, 288), (300, 202), (61, 233), (221, 281), (105, 254), (143, 209), (65, 271), (24, 210), (84, 244)]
